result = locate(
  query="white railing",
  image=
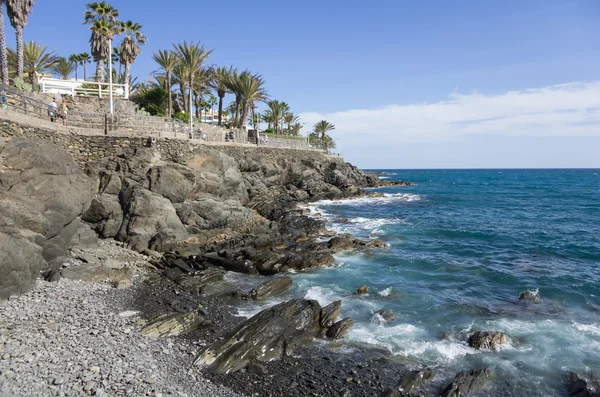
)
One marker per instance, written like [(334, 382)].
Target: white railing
[(82, 87)]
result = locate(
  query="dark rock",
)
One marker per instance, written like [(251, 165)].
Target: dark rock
[(341, 243), (409, 384), (329, 313), (467, 384), (270, 288), (387, 314), (530, 296), (376, 244), (85, 237), (583, 386), (256, 368), (487, 340), (173, 324), (362, 290), (269, 335), (339, 329)]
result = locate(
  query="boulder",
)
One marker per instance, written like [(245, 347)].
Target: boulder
[(376, 244), (43, 193), (467, 384), (410, 384), (339, 329), (105, 215), (387, 314), (174, 324), (146, 216), (530, 296), (583, 386), (269, 335), (329, 313), (270, 288), (85, 237), (488, 340), (172, 181), (362, 290)]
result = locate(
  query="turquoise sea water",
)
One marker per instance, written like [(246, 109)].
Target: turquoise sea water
[(463, 245)]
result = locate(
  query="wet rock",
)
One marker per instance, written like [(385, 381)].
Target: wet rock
[(467, 384), (329, 313), (256, 368), (362, 290), (489, 340), (409, 384), (340, 328), (341, 243), (270, 288), (376, 244), (269, 335), (387, 314), (583, 386), (173, 324), (530, 296)]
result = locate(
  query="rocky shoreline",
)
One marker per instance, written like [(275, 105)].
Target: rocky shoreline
[(138, 246)]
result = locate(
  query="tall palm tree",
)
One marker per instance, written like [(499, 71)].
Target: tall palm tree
[(36, 60), (130, 47), (3, 57), (290, 118), (84, 58), (202, 79), (102, 18), (233, 85), (252, 89), (167, 60), (74, 60), (278, 110), (18, 13), (191, 57), (63, 68), (219, 84), (321, 129)]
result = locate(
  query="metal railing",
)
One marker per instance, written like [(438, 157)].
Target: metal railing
[(82, 87)]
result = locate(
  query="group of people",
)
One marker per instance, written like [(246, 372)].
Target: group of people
[(54, 111)]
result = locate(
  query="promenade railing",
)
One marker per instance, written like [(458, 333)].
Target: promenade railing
[(82, 87)]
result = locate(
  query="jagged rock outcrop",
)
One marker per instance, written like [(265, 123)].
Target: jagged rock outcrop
[(467, 384), (173, 324), (339, 329), (43, 194), (410, 384), (270, 334), (270, 288), (584, 385)]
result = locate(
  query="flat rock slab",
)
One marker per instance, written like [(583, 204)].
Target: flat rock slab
[(173, 324), (270, 288), (467, 384), (121, 278)]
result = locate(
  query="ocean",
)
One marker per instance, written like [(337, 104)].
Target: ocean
[(463, 245)]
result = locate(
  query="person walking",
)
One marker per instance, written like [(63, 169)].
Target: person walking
[(52, 109), (62, 113)]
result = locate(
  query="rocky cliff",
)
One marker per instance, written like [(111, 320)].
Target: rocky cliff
[(232, 204)]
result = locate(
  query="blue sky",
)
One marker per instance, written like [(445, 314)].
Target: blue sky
[(408, 84)]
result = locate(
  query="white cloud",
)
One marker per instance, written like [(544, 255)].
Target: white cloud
[(571, 109)]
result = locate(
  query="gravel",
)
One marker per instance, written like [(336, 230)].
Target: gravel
[(75, 338)]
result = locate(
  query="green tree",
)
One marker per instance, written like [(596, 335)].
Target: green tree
[(130, 47), (191, 57), (74, 60), (253, 91), (63, 68), (167, 60), (84, 59), (219, 83), (153, 100), (102, 18), (36, 60), (277, 112), (321, 129), (18, 13), (290, 118)]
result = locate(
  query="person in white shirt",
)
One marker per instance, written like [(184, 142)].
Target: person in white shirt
[(52, 109)]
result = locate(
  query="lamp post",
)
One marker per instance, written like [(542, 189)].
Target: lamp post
[(254, 120), (191, 115), (110, 81)]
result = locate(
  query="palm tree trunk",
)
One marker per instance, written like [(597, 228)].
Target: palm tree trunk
[(19, 31), (84, 73), (170, 94), (100, 70), (76, 70), (127, 72), (3, 57), (220, 109)]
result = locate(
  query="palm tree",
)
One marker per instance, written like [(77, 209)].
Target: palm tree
[(84, 58), (202, 79), (103, 20), (219, 83), (36, 60), (290, 118), (74, 60), (63, 68), (296, 127), (3, 57), (252, 90), (18, 13), (191, 56), (130, 47), (321, 129), (167, 60), (278, 110)]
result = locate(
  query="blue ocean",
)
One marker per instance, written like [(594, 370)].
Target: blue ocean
[(463, 245)]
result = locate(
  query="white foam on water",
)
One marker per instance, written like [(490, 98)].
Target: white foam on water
[(384, 177), (592, 329), (321, 295), (385, 292), (385, 199)]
